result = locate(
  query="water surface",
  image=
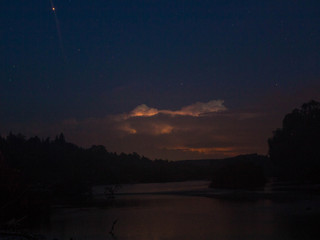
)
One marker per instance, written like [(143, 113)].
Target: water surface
[(179, 217)]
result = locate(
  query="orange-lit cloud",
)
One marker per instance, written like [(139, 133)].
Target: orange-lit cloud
[(127, 128), (143, 111), (146, 128), (162, 129), (195, 110), (226, 151)]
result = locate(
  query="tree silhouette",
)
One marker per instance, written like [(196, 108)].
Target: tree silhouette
[(295, 148)]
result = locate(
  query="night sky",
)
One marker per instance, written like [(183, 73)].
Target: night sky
[(167, 79)]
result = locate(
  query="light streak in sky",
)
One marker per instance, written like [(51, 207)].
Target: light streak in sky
[(58, 30)]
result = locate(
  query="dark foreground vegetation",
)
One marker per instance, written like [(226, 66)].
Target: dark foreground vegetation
[(294, 149)]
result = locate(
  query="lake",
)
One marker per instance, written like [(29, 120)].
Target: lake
[(169, 212)]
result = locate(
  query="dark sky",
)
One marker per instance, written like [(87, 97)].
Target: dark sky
[(167, 79)]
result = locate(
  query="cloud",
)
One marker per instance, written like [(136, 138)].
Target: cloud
[(127, 128), (145, 127), (162, 129), (224, 151), (195, 110), (143, 111), (200, 108)]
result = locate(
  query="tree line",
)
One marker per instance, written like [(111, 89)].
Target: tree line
[(69, 169)]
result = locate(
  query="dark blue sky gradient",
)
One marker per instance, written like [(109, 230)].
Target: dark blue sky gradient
[(116, 55)]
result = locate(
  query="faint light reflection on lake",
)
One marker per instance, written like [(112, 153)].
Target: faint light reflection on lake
[(180, 217)]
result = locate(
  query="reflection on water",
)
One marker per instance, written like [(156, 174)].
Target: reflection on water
[(175, 217)]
